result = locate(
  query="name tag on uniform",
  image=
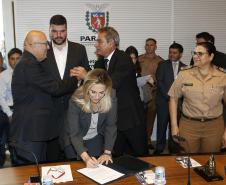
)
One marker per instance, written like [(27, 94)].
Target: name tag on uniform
[(188, 84)]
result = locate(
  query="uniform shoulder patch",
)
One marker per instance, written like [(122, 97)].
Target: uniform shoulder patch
[(187, 67), (221, 69)]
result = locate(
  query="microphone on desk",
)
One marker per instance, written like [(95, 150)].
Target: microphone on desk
[(33, 179), (181, 139)]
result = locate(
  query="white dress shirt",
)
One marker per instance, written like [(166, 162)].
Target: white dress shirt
[(6, 99), (61, 58), (92, 132)]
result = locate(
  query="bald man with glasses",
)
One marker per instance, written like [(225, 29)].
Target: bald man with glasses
[(33, 118)]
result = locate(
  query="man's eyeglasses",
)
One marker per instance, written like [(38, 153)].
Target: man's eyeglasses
[(198, 54), (41, 43), (56, 173), (44, 43)]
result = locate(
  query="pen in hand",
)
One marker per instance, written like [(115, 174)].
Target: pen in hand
[(92, 162)]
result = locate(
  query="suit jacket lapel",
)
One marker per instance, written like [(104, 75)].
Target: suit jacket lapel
[(69, 58), (53, 64), (100, 120), (180, 65), (112, 62), (88, 118), (171, 73)]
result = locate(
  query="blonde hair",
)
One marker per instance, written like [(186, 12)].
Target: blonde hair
[(81, 95)]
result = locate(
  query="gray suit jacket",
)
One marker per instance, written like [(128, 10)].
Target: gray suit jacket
[(78, 123)]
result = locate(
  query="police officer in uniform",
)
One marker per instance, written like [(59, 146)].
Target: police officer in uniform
[(203, 87)]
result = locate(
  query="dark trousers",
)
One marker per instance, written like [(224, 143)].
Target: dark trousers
[(162, 124), (134, 138), (4, 130), (150, 117), (163, 119), (54, 152), (95, 148), (22, 153)]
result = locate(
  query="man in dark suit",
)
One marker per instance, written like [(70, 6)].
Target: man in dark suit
[(62, 56), (33, 121), (165, 75), (131, 129), (219, 58)]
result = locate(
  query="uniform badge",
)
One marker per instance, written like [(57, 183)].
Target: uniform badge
[(187, 84)]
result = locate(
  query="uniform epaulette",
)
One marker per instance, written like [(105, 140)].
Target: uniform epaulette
[(186, 67), (221, 69)]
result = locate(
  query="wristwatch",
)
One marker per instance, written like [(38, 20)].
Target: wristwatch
[(107, 153)]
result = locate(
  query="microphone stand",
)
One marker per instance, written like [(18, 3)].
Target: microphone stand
[(208, 171), (189, 169), (183, 140)]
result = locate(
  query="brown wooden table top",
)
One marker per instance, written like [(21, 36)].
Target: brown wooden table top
[(175, 174)]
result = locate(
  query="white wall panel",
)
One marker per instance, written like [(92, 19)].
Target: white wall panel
[(192, 17), (164, 20), (134, 20)]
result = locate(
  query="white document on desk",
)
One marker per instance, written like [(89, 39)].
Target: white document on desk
[(184, 162), (101, 174)]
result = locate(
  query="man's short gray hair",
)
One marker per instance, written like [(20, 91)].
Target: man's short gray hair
[(111, 34)]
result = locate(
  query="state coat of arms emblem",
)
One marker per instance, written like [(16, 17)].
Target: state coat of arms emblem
[(97, 19)]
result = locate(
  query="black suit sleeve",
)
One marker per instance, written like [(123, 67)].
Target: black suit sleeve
[(123, 69), (85, 62), (110, 131), (160, 73), (38, 77)]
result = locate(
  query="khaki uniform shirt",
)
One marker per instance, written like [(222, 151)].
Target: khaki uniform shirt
[(148, 67), (202, 98)]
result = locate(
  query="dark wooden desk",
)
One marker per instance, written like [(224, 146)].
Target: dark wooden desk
[(175, 174)]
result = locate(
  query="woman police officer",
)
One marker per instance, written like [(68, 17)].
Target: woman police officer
[(203, 87)]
